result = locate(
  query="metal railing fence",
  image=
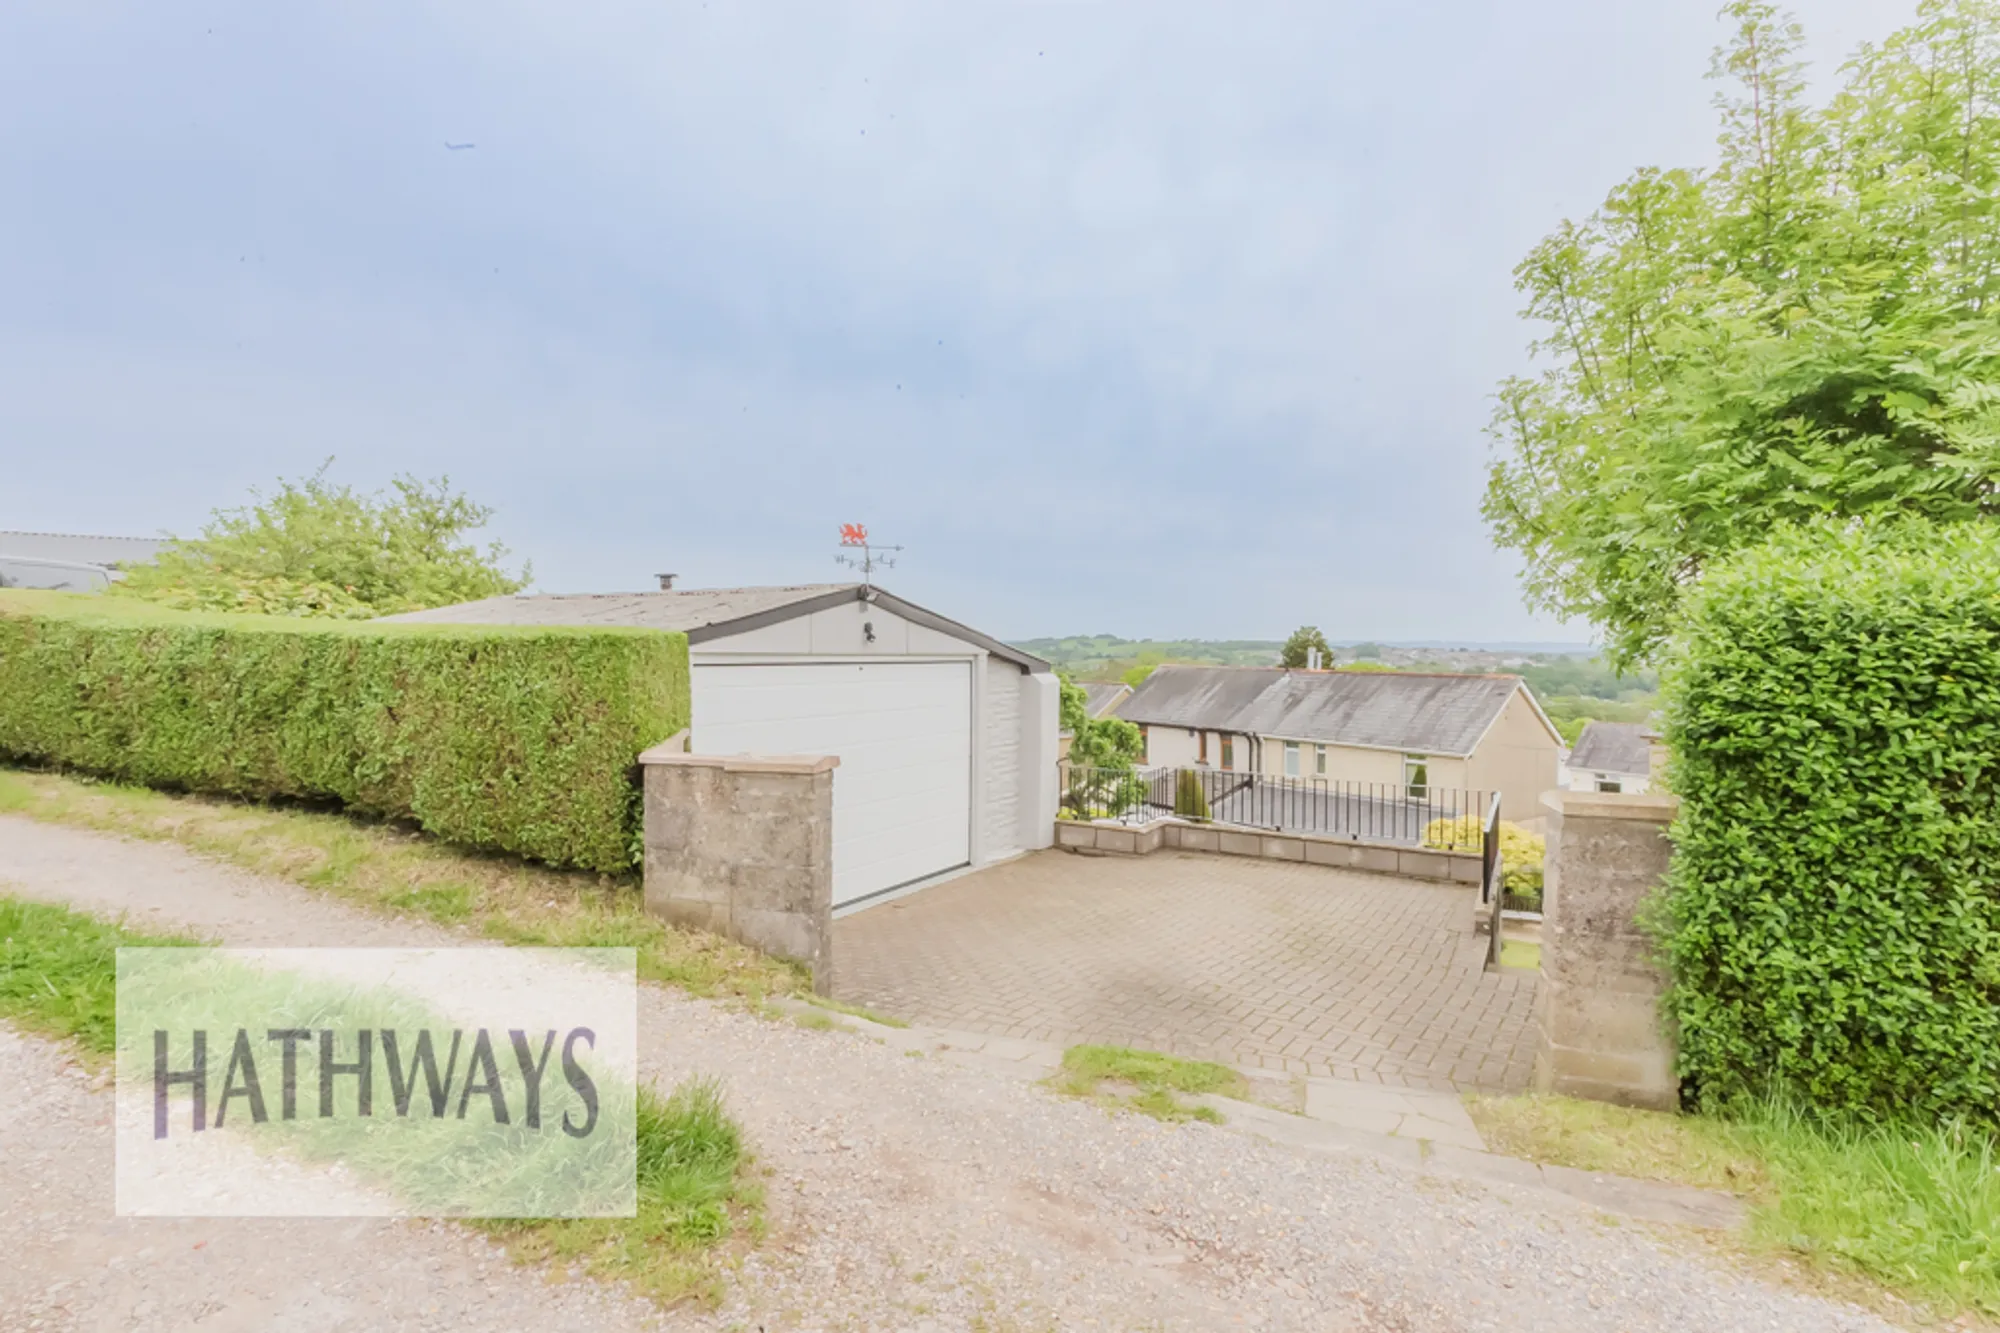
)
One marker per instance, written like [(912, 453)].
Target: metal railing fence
[(1447, 818)]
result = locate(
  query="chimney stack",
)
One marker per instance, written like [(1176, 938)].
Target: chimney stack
[(666, 581)]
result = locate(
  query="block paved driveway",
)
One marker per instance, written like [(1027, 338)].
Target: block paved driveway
[(1258, 964)]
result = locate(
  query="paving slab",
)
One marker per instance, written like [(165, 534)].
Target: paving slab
[(1414, 1113), (1282, 967)]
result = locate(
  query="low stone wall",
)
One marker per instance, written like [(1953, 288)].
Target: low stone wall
[(743, 846), (1347, 853), (1598, 1008)]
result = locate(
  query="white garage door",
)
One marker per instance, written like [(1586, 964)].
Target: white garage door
[(902, 795)]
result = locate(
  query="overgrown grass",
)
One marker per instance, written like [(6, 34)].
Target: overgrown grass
[(1913, 1208), (1146, 1081), (58, 974), (695, 1195), (385, 866), (1523, 954)]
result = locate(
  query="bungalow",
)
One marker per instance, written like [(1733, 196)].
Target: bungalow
[(1408, 730), (1611, 756)]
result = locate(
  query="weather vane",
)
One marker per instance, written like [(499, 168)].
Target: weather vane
[(854, 537)]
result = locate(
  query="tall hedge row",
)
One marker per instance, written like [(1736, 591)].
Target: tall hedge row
[(1832, 916), (516, 739)]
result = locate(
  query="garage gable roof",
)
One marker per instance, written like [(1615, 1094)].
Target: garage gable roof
[(1415, 712), (702, 613)]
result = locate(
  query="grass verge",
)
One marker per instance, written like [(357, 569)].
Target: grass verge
[(392, 868), (1914, 1209), (58, 974), (1146, 1081)]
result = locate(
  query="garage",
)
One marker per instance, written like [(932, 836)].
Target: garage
[(946, 737), (902, 796)]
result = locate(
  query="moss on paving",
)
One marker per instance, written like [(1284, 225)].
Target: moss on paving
[(1146, 1081)]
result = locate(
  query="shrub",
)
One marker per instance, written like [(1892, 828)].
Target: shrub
[(1521, 852), (1190, 801), (1832, 915), (516, 739)]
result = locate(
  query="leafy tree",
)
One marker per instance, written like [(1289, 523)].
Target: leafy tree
[(1135, 676), (1097, 742), (1806, 331), (1296, 649), (316, 549), (1103, 754)]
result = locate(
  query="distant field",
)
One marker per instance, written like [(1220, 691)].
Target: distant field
[(1106, 657)]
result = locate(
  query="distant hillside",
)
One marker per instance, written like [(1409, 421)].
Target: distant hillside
[(1106, 656)]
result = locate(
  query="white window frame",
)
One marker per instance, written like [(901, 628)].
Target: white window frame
[(1417, 777), (1319, 761), (1228, 753), (1291, 759)]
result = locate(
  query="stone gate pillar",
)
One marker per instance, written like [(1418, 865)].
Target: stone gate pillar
[(1602, 1033), (742, 845)]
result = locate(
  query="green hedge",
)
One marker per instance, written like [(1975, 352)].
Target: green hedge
[(1832, 918), (517, 739)]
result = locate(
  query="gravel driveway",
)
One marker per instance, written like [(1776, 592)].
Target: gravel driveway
[(904, 1194)]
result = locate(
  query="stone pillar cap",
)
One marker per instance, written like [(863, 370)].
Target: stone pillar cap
[(1657, 807), (671, 753)]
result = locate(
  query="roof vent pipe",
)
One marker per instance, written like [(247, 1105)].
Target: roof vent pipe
[(666, 581)]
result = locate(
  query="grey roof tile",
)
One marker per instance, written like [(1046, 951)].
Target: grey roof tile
[(1101, 698), (1613, 747), (1419, 713)]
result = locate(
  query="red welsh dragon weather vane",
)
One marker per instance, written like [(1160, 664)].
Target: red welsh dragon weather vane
[(854, 537)]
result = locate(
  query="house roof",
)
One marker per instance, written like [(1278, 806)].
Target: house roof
[(1101, 698), (1390, 710), (1613, 747), (701, 613), (78, 548)]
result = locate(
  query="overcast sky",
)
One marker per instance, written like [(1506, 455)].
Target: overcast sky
[(1156, 318)]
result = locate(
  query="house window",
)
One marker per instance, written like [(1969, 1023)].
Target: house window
[(1417, 777), (1609, 784), (1291, 759), (1319, 760), (1145, 745), (1228, 753), (1201, 755)]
